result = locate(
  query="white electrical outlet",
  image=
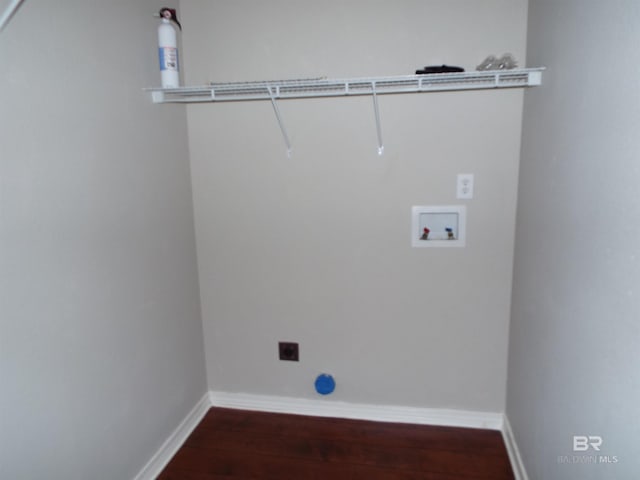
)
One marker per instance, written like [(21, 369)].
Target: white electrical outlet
[(464, 188)]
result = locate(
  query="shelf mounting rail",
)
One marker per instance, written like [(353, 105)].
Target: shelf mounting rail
[(274, 90)]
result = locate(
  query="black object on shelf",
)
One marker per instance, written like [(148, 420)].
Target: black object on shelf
[(439, 69)]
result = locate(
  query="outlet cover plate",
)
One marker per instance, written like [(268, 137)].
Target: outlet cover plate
[(464, 186), (289, 351)]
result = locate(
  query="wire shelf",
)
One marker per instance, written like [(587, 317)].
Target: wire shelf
[(324, 87)]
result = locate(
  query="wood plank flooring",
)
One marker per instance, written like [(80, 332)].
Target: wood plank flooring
[(238, 444)]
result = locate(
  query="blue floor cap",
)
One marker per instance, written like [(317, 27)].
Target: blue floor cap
[(325, 384)]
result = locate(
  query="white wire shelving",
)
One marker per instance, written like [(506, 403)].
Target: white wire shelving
[(324, 87), (274, 90)]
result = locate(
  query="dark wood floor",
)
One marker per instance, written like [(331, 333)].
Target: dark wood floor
[(234, 444)]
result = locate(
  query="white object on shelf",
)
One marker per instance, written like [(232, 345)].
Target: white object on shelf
[(168, 54), (438, 226)]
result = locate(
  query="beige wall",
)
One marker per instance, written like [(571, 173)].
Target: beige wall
[(574, 356), (316, 248), (101, 353)]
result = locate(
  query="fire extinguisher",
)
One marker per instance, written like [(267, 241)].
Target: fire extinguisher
[(168, 49)]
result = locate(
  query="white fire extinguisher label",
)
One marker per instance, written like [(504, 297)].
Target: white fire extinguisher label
[(168, 58)]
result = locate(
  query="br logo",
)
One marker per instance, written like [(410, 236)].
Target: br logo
[(582, 443)]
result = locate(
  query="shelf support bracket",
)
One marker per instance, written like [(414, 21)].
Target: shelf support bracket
[(9, 12), (276, 110), (377, 114)]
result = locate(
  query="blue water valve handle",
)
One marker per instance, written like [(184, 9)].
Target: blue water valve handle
[(325, 384)]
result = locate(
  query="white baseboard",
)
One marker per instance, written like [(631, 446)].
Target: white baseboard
[(358, 411), (514, 453), (169, 448)]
